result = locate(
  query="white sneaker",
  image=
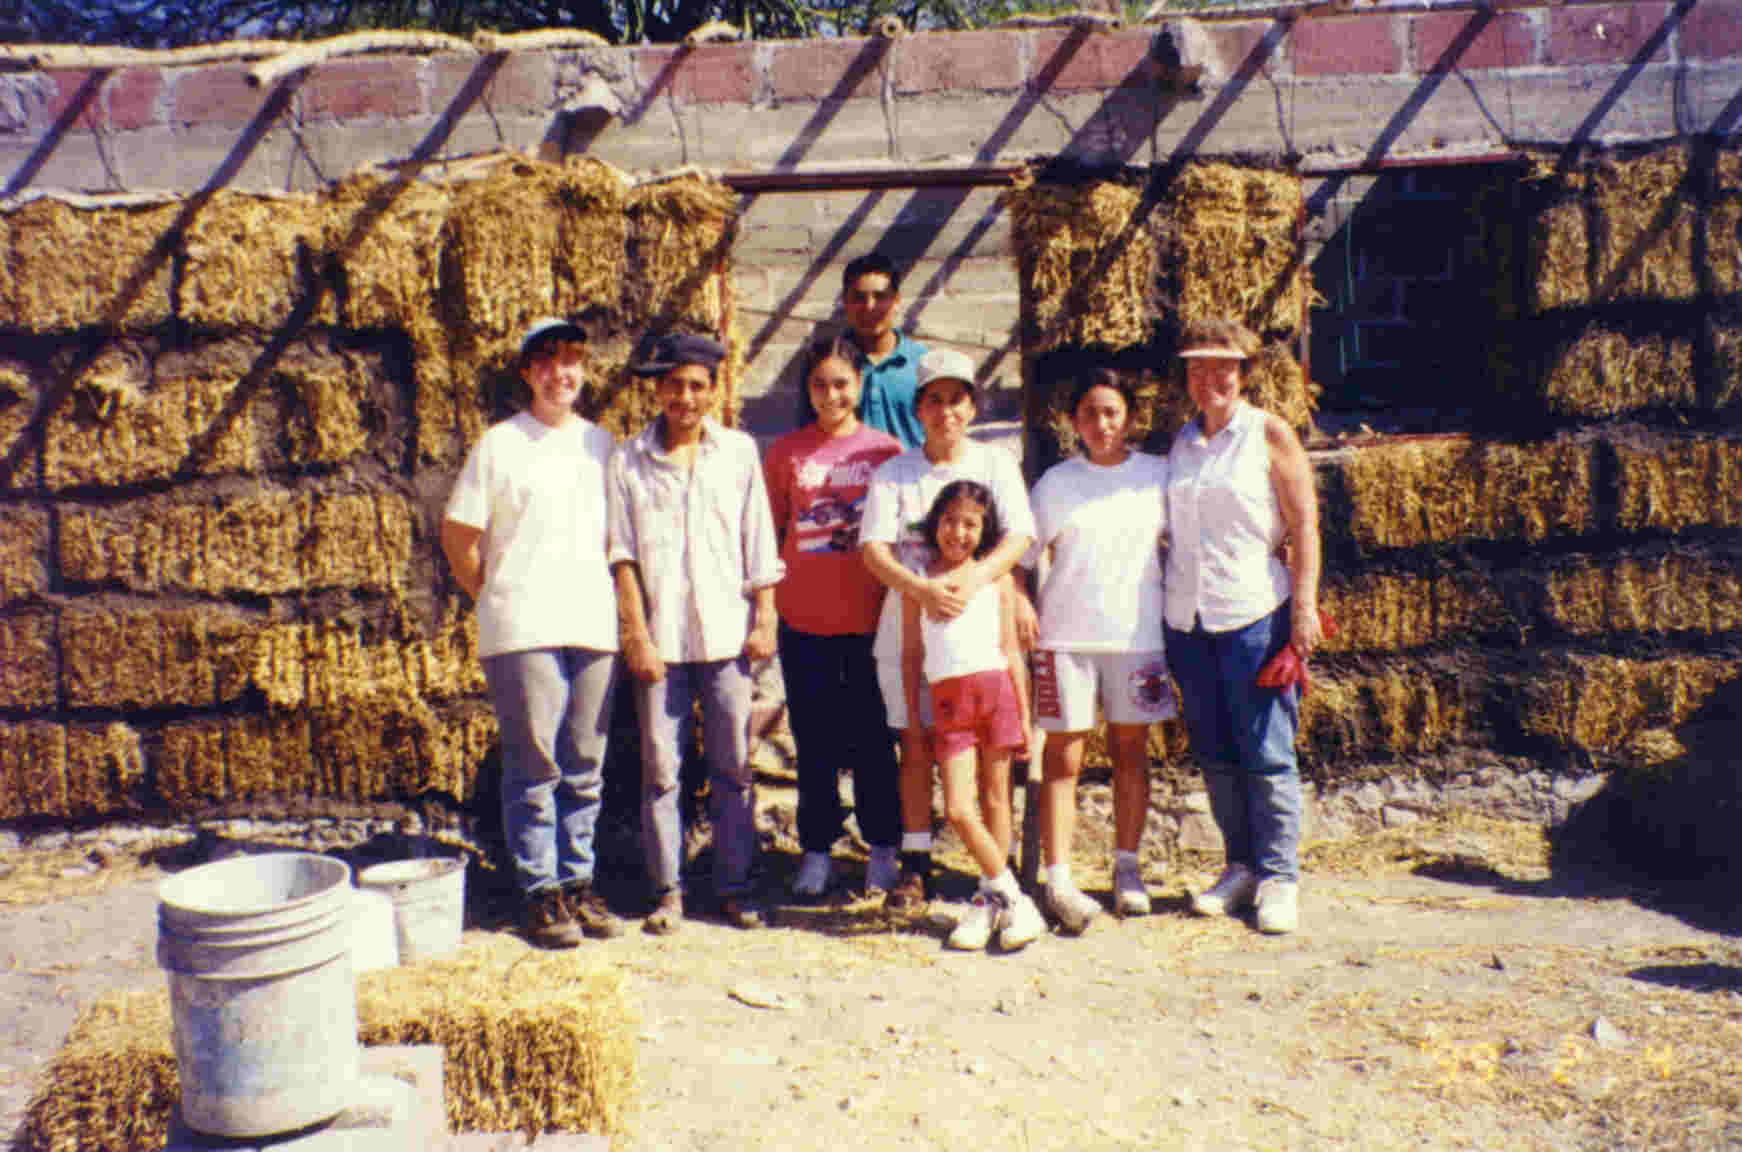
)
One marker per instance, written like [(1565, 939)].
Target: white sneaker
[(1278, 905), (1130, 897), (1074, 911), (1020, 924), (883, 870), (1232, 891), (974, 929), (813, 876)]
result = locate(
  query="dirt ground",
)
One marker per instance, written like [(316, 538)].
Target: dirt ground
[(1447, 990)]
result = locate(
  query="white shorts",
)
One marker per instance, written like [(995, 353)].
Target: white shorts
[(1133, 688), (895, 698)]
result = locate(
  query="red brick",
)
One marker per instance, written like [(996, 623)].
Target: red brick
[(216, 94), (382, 88), (1712, 31), (522, 81), (70, 87), (1343, 45), (1603, 34), (820, 69), (1235, 40), (1099, 60), (706, 74), (135, 99), (981, 61), (1508, 40)]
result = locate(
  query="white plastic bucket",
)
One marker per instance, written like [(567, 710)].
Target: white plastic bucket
[(262, 998), (429, 900), (374, 939)]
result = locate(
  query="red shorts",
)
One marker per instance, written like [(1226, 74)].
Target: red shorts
[(979, 708)]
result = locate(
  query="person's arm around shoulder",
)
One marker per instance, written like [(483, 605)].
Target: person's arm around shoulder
[(1010, 599), (879, 529), (1291, 475)]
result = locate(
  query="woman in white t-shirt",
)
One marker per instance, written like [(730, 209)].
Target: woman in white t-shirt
[(525, 536), (1099, 519)]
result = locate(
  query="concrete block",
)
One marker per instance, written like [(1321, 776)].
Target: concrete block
[(829, 70), (788, 135), (1371, 43), (1508, 40), (76, 160), (183, 159), (1066, 61), (976, 61), (706, 74), (363, 88), (1712, 31), (1230, 44), (1604, 33), (766, 239)]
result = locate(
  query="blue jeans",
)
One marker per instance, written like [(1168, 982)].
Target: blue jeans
[(554, 709), (667, 723), (1243, 737)]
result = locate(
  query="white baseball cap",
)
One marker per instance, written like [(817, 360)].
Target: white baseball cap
[(944, 364), (1218, 351)]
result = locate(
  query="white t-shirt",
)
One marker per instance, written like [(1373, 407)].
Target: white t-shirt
[(902, 491), (969, 643), (538, 494), (1102, 592)]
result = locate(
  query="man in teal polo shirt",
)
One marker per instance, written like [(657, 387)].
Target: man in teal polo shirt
[(889, 361)]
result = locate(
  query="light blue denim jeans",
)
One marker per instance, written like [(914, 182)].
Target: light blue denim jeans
[(1243, 738), (554, 709)]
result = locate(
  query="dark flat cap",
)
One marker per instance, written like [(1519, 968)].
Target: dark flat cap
[(660, 352)]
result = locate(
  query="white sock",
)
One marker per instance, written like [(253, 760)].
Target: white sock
[(1125, 860), (1004, 884), (916, 841), (1058, 876)]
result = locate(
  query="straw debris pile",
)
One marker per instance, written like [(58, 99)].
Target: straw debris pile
[(533, 1042)]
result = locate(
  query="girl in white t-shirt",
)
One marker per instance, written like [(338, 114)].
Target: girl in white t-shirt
[(971, 663), (1099, 517)]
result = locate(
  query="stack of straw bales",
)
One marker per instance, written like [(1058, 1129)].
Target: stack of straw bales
[(532, 1043)]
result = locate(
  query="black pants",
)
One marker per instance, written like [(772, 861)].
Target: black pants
[(838, 719)]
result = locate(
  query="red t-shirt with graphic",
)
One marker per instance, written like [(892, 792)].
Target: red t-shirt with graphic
[(817, 487)]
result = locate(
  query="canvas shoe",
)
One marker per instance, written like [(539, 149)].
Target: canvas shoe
[(974, 929), (1073, 910), (1232, 891), (1278, 905), (813, 876), (1019, 923), (1130, 897), (883, 870)]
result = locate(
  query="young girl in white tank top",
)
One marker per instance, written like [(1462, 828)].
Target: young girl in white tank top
[(972, 664)]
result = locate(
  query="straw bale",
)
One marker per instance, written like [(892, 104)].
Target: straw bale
[(535, 1041), (1238, 248), (190, 768), (273, 662), (1421, 493), (1595, 704), (1646, 212), (246, 544), (446, 664), (1725, 335), (1404, 709), (1276, 383), (448, 413), (1603, 372), (1723, 265), (72, 268), (23, 553), (535, 240), (1559, 274), (251, 262), (1679, 484), (269, 755), (1379, 611), (1658, 595), (372, 747), (681, 234), (359, 539), (137, 657), (18, 401), (113, 1086), (1086, 268), (328, 423), (33, 770), (123, 430), (105, 768), (29, 661)]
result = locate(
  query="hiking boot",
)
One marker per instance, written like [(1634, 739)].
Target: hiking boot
[(974, 929), (1232, 891), (587, 909), (667, 915), (546, 920), (1278, 905), (883, 870), (1020, 923), (1130, 897), (740, 912), (908, 895), (813, 876), (1073, 910)]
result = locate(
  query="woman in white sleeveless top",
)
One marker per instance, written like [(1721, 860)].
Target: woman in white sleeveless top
[(1239, 484)]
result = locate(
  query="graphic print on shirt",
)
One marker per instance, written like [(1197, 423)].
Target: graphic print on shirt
[(1148, 685), (830, 521)]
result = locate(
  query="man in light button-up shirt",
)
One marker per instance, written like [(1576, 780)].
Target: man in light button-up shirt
[(693, 552)]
